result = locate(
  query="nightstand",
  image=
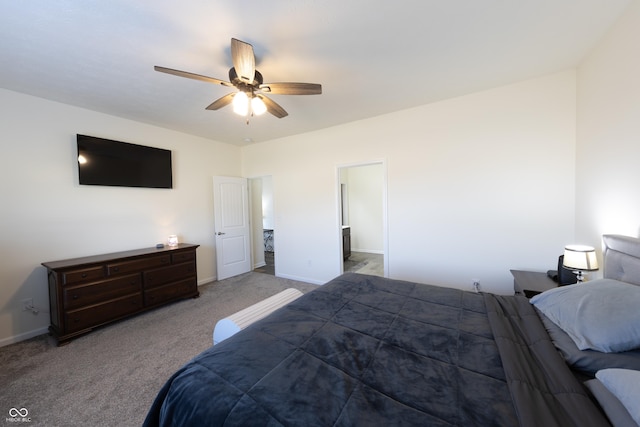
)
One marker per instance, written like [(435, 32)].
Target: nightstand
[(531, 283)]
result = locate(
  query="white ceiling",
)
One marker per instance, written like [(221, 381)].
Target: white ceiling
[(371, 57)]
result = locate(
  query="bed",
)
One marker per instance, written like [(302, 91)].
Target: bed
[(365, 350)]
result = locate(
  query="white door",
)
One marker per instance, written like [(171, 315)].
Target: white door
[(231, 226)]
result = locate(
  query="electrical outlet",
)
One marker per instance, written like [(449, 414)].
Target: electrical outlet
[(476, 285), (27, 304)]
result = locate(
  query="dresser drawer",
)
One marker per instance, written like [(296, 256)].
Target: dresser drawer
[(81, 295), (160, 276), (138, 264), (83, 275), (94, 315), (161, 294), (183, 256)]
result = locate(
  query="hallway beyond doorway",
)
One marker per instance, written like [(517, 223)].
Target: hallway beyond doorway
[(365, 263), (269, 264)]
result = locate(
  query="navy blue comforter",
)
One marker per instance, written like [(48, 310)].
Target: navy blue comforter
[(369, 351)]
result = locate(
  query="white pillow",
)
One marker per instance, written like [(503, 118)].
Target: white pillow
[(625, 385), (601, 315)]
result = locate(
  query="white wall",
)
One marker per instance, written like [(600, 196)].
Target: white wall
[(477, 185), (268, 213), (46, 215), (365, 189), (608, 131), (257, 240)]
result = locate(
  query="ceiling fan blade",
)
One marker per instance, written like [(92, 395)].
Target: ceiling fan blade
[(221, 102), (273, 107), (291, 88), (244, 61), (192, 76)]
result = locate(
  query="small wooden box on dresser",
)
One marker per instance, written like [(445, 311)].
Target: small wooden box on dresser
[(92, 291)]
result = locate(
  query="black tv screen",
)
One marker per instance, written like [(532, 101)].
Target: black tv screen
[(121, 164)]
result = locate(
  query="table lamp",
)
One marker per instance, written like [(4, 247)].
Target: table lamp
[(580, 258)]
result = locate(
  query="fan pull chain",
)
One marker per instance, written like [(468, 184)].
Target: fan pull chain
[(250, 114)]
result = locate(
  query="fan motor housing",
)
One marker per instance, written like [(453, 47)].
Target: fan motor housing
[(233, 78)]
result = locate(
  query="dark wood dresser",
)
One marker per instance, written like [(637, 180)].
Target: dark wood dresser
[(92, 291)]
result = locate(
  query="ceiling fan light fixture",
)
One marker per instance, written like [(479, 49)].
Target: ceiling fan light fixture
[(241, 103), (257, 106), (247, 80)]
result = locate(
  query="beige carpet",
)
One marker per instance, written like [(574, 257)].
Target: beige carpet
[(111, 376)]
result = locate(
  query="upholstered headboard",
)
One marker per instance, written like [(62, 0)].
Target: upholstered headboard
[(621, 258)]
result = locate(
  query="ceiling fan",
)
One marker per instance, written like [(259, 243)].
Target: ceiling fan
[(250, 97)]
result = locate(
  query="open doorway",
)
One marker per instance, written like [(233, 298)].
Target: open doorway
[(363, 220), (262, 224)]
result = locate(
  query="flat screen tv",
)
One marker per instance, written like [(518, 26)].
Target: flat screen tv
[(121, 164)]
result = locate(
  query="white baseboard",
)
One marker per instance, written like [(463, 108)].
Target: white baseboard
[(368, 251), (24, 336), (301, 279), (207, 280)]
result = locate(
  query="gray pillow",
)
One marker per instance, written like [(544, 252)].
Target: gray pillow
[(588, 361), (615, 410), (600, 315), (625, 385)]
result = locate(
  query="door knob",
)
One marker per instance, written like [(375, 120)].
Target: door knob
[(219, 233)]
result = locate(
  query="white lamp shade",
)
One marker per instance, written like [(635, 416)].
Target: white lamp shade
[(241, 103), (580, 257), (257, 106)]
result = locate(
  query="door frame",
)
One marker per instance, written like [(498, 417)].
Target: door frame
[(385, 221)]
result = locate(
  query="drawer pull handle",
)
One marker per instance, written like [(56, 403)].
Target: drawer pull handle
[(84, 275), (75, 297), (116, 268)]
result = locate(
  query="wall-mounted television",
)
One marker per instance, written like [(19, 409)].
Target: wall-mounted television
[(121, 164)]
